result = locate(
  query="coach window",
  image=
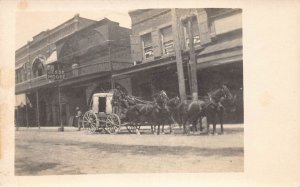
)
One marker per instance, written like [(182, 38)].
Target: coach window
[(167, 42), (147, 46)]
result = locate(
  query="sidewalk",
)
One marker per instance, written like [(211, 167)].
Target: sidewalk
[(45, 129), (123, 128)]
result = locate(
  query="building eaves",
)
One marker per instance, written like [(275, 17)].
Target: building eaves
[(58, 27)]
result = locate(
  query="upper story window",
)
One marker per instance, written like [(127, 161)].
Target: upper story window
[(38, 68), (167, 41), (21, 75), (18, 76), (195, 28), (147, 46)]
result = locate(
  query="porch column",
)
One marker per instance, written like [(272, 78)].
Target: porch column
[(193, 65), (180, 74), (37, 109), (59, 104)]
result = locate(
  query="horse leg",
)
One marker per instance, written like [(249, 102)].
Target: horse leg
[(184, 126), (154, 129), (158, 129), (220, 114), (172, 124), (194, 126), (214, 122), (209, 119), (200, 121)]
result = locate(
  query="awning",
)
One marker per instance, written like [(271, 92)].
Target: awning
[(20, 99), (222, 46), (52, 58), (18, 66), (142, 67)]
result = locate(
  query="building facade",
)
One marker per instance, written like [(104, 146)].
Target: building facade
[(218, 51), (86, 52)]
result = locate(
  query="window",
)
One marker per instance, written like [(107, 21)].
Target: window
[(38, 68), (195, 33), (167, 42), (147, 46), (18, 75), (102, 104)]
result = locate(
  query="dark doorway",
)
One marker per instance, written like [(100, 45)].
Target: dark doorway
[(43, 113)]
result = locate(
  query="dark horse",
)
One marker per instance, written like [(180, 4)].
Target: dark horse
[(146, 111), (162, 115), (170, 117), (219, 100), (211, 107)]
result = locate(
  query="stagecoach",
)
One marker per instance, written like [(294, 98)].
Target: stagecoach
[(100, 116), (106, 111), (104, 116)]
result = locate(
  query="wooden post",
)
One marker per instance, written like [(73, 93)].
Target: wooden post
[(112, 81), (59, 104), (17, 118), (26, 112), (37, 109), (193, 65), (180, 74)]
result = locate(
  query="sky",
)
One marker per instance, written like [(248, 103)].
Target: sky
[(29, 24)]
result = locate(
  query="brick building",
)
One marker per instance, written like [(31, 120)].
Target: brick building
[(87, 51), (217, 37)]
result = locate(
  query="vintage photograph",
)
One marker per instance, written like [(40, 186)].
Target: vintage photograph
[(131, 91)]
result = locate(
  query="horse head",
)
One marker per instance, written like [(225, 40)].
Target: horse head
[(226, 92), (161, 98), (174, 101), (229, 99)]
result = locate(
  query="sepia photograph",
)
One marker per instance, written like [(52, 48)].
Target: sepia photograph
[(134, 91), (149, 93)]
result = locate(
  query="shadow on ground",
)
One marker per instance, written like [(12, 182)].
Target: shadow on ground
[(165, 150), (33, 168)]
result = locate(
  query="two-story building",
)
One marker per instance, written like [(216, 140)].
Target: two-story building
[(87, 51), (217, 38)]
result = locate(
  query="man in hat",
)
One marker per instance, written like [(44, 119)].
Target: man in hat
[(78, 116)]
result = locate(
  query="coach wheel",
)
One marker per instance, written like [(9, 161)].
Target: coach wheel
[(113, 124), (90, 121)]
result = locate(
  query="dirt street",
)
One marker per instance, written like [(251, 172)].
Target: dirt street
[(49, 152)]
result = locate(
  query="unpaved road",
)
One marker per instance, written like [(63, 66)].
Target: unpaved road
[(48, 152)]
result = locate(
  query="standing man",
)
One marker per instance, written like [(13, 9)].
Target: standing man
[(78, 117)]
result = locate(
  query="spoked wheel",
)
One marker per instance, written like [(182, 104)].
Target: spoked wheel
[(113, 124), (90, 121), (131, 127)]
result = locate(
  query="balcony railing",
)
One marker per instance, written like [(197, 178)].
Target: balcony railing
[(32, 83), (76, 72), (94, 68)]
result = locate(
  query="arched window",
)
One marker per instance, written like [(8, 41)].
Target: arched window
[(38, 68)]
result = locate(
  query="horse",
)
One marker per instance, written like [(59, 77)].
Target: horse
[(219, 100), (170, 117), (211, 107), (138, 111), (161, 116)]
